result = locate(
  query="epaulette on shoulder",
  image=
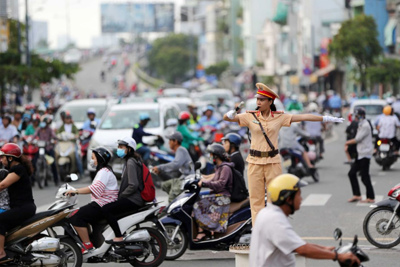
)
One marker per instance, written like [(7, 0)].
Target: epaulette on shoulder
[(278, 112), (251, 111)]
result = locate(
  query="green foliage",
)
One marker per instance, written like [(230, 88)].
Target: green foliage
[(357, 38), (170, 56), (217, 68), (13, 39), (386, 71), (267, 80)]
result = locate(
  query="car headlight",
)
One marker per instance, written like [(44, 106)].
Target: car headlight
[(177, 203)]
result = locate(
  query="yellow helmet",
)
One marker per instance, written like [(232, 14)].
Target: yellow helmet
[(282, 187), (387, 110)]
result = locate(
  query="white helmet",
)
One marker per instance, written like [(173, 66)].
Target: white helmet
[(312, 107), (128, 141), (172, 122)]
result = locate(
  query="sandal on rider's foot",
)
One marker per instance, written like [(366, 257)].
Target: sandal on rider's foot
[(5, 259), (201, 236)]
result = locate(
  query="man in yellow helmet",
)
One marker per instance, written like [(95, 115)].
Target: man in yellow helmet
[(387, 125), (273, 239)]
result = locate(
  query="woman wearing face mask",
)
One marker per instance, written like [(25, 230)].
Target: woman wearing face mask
[(17, 182), (129, 198), (211, 212), (104, 190)]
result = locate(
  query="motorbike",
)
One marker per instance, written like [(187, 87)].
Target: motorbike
[(142, 246), (26, 245), (382, 224), (179, 228), (311, 145), (385, 156), (297, 165), (30, 147), (84, 140), (43, 163), (65, 154), (352, 247)]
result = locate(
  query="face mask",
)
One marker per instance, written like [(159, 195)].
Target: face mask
[(42, 125), (91, 163), (121, 153)]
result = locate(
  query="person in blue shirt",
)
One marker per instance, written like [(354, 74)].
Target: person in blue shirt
[(208, 119), (91, 121), (335, 102), (138, 134)]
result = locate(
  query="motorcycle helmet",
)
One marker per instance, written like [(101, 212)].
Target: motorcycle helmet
[(171, 122), (128, 141), (233, 138), (217, 150), (360, 112), (312, 107), (283, 187), (8, 117), (12, 150), (36, 117), (103, 154), (387, 110), (144, 116), (91, 111), (184, 115)]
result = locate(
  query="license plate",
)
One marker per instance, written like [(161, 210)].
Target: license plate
[(311, 147), (384, 147), (117, 168)]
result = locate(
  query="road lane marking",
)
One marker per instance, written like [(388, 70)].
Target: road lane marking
[(377, 199), (316, 200)]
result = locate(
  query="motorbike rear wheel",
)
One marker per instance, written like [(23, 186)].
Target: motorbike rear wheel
[(374, 226), (176, 250), (41, 172), (156, 250), (72, 251)]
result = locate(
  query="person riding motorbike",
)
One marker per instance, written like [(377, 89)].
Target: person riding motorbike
[(92, 120), (231, 143), (103, 190), (315, 128), (194, 116), (8, 132), (22, 205), (211, 211), (294, 104), (182, 165), (17, 118), (45, 133), (69, 127), (138, 134), (188, 137), (273, 239), (387, 127), (208, 119), (32, 127)]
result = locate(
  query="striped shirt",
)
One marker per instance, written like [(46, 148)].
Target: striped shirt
[(104, 187)]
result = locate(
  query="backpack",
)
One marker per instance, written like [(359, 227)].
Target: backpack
[(147, 190), (239, 190)]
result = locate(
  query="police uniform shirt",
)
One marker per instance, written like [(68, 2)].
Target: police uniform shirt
[(273, 239), (271, 125)]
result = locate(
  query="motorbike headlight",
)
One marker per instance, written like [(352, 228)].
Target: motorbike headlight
[(176, 204), (396, 193)]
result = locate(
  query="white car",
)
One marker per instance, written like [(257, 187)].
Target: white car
[(373, 108), (182, 102), (175, 92), (119, 120), (211, 96), (78, 110)]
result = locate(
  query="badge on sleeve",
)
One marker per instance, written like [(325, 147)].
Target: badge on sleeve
[(256, 122)]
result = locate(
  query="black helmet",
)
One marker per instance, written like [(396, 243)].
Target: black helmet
[(103, 154), (233, 138), (360, 112), (217, 149)]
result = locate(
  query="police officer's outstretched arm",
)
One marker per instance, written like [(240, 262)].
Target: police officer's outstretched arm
[(315, 251), (311, 117), (231, 116)]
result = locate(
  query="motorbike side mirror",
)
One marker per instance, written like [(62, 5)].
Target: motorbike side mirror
[(355, 242), (337, 234), (197, 165)]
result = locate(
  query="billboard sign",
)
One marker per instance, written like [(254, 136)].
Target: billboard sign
[(137, 17)]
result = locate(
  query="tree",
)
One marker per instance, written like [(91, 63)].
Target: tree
[(217, 68), (386, 72), (170, 57), (357, 38), (13, 38)]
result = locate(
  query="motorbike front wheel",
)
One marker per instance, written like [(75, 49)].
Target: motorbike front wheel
[(376, 228), (155, 250), (178, 248), (72, 251), (41, 172)]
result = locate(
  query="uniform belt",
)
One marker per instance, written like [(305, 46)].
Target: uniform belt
[(264, 154)]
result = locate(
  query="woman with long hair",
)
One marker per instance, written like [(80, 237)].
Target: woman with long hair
[(17, 182), (129, 198), (104, 190), (264, 161)]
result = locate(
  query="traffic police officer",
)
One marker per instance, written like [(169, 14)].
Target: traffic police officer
[(264, 161)]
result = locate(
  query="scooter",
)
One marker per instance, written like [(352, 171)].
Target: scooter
[(311, 146), (30, 147), (179, 227), (385, 156), (142, 246), (352, 247), (297, 166), (26, 245), (84, 140), (382, 224), (65, 154), (43, 163)]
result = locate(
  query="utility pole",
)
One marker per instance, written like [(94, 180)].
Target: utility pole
[(28, 55)]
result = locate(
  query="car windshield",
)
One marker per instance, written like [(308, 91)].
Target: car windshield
[(371, 109), (79, 113), (126, 119), (214, 97)]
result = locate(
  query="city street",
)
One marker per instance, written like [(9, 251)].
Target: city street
[(324, 208)]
